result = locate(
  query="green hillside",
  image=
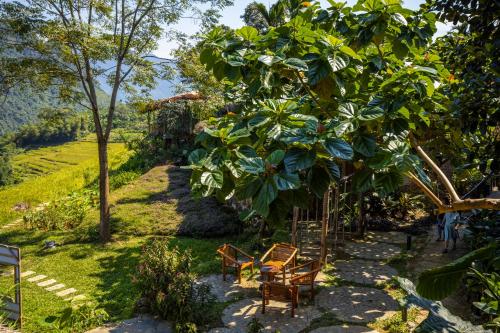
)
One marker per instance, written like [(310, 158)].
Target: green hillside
[(22, 106)]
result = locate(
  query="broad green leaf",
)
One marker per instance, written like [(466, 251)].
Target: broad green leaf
[(269, 60), (248, 33), (348, 110), (371, 113), (276, 157), (197, 155), (212, 179), (437, 283), (399, 18), (425, 69), (267, 193), (362, 181), (333, 169), (429, 85), (318, 180), (388, 182), (350, 52), (287, 181), (296, 63), (247, 187), (364, 145), (253, 165), (337, 62), (299, 159), (404, 112), (338, 148)]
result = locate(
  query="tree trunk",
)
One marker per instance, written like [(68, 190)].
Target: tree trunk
[(104, 228)]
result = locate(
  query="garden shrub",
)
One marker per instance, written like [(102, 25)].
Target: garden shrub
[(169, 288), (81, 315), (62, 214)]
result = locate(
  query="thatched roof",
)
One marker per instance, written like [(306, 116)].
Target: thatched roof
[(159, 104)]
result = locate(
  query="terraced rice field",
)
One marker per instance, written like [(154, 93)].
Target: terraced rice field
[(52, 172)]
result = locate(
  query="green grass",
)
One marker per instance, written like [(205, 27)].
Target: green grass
[(76, 167), (140, 210)]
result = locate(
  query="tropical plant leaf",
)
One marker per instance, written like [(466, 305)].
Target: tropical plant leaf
[(253, 165), (338, 148), (212, 179), (438, 283), (299, 159), (296, 63), (267, 193), (276, 157), (364, 145), (287, 181)]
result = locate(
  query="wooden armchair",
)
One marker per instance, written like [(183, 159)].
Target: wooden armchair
[(280, 292), (304, 275), (280, 255), (235, 258)]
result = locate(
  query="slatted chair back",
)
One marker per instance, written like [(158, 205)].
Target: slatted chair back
[(282, 252), (280, 292)]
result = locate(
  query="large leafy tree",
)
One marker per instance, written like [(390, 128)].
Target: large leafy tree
[(84, 41), (329, 88), (257, 15)]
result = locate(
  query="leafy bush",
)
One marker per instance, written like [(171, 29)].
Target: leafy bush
[(80, 316), (66, 213), (169, 287)]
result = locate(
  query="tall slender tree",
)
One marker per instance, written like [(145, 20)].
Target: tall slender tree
[(87, 41)]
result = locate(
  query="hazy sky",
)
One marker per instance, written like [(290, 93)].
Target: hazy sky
[(231, 17)]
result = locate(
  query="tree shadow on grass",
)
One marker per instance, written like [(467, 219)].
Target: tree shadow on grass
[(116, 291), (168, 208)]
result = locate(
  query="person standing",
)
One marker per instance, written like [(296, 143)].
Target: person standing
[(440, 227), (450, 220)]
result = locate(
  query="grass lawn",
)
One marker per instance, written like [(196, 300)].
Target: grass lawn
[(140, 210), (63, 169)]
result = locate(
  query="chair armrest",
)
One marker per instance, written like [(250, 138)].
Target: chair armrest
[(243, 252), (303, 275), (266, 254), (227, 257), (294, 253), (309, 263)]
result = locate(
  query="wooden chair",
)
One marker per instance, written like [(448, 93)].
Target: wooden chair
[(280, 292), (235, 258), (304, 275), (280, 255)]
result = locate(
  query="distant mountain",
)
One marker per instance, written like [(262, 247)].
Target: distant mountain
[(163, 89), (22, 105)]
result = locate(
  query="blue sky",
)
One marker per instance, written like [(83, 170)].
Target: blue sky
[(231, 17)]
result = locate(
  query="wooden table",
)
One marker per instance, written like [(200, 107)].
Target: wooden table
[(269, 271)]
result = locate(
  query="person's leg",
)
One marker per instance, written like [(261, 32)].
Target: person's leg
[(446, 238)]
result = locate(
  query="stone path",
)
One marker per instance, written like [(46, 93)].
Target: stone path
[(228, 290), (367, 272), (344, 329), (372, 250), (277, 317), (356, 304), (393, 237), (50, 285)]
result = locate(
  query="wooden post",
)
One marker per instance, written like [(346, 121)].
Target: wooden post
[(324, 225), (362, 222), (294, 225)]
